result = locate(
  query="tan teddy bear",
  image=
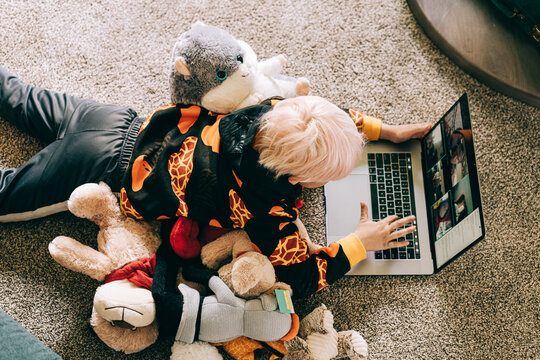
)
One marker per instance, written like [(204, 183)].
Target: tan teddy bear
[(250, 273), (123, 315), (246, 271)]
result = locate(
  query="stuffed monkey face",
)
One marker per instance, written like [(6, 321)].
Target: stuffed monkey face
[(228, 95), (210, 68)]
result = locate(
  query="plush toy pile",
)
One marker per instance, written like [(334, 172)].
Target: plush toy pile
[(125, 261), (212, 69)]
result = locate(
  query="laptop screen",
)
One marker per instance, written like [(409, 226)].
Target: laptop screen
[(452, 189)]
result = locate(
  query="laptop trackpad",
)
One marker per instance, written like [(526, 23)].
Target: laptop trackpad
[(343, 204)]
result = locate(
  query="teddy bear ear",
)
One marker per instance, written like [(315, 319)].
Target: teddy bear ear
[(181, 66), (279, 285)]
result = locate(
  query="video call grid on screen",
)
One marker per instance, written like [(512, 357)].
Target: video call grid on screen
[(452, 195)]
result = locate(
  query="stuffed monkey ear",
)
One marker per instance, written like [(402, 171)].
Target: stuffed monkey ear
[(198, 23), (181, 66)]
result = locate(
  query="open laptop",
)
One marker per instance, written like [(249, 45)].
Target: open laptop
[(434, 178)]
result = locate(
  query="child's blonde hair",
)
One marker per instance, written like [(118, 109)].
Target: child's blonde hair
[(310, 138)]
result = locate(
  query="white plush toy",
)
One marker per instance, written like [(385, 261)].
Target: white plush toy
[(213, 69)]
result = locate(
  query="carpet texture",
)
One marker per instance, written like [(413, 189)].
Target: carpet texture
[(369, 55)]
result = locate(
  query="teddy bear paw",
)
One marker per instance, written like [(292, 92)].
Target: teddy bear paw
[(302, 86), (320, 320), (196, 350), (352, 345)]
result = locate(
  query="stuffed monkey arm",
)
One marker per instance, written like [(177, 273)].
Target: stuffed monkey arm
[(272, 66), (169, 301), (252, 99)]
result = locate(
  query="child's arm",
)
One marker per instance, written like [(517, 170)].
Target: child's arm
[(307, 274), (400, 133), (375, 129)]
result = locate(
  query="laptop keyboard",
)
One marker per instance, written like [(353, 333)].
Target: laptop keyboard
[(390, 178)]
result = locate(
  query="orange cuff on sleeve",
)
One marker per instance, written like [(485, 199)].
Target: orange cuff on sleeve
[(372, 127), (353, 249)]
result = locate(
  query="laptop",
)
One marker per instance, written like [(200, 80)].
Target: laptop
[(434, 178)]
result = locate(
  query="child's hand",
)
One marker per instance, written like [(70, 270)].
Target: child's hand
[(400, 133), (379, 235)]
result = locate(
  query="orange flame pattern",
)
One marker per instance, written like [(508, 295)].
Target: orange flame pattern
[(244, 348), (290, 250), (279, 211), (322, 264), (239, 213), (358, 118), (149, 117), (126, 206), (180, 167)]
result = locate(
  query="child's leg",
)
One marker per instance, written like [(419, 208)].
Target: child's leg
[(37, 111), (86, 143)]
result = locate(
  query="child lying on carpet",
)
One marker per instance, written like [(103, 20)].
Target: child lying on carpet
[(242, 170)]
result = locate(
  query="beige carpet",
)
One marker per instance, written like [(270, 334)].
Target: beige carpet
[(370, 55)]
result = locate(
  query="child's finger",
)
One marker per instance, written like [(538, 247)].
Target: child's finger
[(390, 219), (402, 222), (364, 215), (420, 130), (427, 127), (402, 232), (395, 244)]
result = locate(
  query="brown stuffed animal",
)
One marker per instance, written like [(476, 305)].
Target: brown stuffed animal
[(318, 340), (120, 241), (250, 273)]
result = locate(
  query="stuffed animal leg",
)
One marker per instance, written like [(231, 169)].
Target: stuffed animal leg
[(317, 328), (318, 340), (351, 345), (197, 350), (290, 87)]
